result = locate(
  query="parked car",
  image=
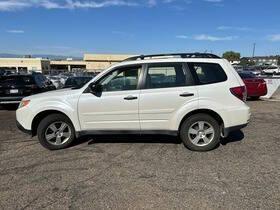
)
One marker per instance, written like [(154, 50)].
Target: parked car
[(271, 70), (256, 87), (2, 72), (56, 81), (199, 97), (15, 87), (6, 72), (238, 67), (255, 71), (91, 74), (76, 82)]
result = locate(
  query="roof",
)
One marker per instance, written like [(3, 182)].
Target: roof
[(172, 55), (164, 60), (24, 59), (67, 62)]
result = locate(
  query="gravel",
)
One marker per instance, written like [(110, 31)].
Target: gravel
[(150, 172)]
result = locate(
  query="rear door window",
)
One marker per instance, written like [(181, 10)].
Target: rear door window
[(208, 73), (166, 75)]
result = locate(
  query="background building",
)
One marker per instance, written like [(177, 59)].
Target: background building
[(265, 60), (91, 62), (25, 64), (99, 62), (67, 65)]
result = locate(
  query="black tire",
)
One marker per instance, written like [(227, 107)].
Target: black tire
[(184, 135), (255, 98), (46, 122)]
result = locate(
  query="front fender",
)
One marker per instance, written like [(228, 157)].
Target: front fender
[(60, 106)]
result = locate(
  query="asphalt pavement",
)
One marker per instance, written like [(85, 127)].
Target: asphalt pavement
[(149, 172)]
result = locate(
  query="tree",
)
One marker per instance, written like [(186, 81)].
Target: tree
[(278, 60), (231, 56), (246, 62)]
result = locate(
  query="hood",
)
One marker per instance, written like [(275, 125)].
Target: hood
[(54, 94)]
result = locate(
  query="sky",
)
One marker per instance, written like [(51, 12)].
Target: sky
[(75, 27)]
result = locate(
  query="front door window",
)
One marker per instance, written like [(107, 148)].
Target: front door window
[(121, 79)]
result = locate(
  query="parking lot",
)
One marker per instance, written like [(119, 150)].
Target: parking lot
[(144, 172)]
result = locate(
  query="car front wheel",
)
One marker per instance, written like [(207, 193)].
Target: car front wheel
[(200, 132), (56, 132)]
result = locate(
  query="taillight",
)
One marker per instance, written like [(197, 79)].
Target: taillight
[(240, 92)]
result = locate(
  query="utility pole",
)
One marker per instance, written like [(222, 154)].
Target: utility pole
[(254, 49)]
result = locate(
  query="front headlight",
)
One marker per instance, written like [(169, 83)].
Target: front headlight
[(23, 103)]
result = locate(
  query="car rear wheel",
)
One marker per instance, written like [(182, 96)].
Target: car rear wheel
[(255, 98), (56, 132), (200, 132)]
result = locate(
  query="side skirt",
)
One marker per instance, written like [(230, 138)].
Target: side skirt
[(126, 132)]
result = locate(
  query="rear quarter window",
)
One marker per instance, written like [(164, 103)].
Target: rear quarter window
[(208, 73)]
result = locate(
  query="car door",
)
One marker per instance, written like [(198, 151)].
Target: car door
[(116, 106), (168, 87)]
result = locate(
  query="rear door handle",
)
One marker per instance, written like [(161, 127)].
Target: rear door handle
[(130, 98), (186, 94)]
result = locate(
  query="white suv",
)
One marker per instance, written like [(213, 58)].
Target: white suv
[(199, 97), (272, 70)]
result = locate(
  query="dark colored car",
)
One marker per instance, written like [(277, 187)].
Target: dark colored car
[(2, 72), (76, 82), (256, 87), (15, 87)]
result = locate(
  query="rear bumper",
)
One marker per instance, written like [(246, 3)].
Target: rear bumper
[(228, 130), (11, 99), (22, 129)]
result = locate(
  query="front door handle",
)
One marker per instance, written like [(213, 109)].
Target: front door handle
[(186, 94), (130, 98)]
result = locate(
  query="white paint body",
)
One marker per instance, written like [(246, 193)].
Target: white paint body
[(272, 86), (155, 109), (272, 70)]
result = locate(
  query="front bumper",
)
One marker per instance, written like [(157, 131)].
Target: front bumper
[(22, 129)]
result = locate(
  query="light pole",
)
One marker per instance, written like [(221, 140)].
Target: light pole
[(254, 49)]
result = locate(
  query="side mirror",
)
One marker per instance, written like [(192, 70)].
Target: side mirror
[(95, 88)]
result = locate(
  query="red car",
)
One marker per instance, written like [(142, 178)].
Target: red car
[(256, 87)]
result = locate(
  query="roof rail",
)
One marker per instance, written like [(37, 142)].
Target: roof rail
[(182, 55)]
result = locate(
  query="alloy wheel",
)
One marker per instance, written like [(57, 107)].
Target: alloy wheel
[(58, 133), (201, 133)]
